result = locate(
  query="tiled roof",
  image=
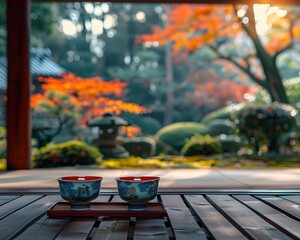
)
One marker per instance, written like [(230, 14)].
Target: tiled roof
[(40, 65)]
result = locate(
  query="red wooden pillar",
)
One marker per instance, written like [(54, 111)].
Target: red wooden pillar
[(18, 86)]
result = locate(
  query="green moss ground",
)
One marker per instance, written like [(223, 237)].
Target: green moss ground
[(195, 162)]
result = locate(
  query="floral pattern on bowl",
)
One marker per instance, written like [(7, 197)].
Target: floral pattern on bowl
[(137, 191), (79, 191)]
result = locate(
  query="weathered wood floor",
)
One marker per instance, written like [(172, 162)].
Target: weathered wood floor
[(189, 216)]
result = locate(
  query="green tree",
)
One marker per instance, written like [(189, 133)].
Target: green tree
[(42, 18)]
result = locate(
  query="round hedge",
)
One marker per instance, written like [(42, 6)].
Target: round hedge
[(201, 145), (140, 146), (228, 113), (266, 123), (176, 135), (230, 143), (221, 126), (148, 125), (66, 154)]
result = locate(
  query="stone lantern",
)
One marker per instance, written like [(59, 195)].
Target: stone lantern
[(108, 132)]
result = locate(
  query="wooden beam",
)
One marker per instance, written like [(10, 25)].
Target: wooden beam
[(18, 86)]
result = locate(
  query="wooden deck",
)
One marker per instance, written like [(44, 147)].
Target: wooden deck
[(189, 216)]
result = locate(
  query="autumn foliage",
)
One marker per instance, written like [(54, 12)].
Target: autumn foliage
[(284, 30), (92, 96), (190, 26), (213, 94)]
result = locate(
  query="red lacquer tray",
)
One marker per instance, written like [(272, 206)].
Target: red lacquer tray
[(107, 209)]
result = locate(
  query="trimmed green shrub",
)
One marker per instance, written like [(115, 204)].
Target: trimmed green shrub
[(175, 135), (66, 154), (3, 147), (2, 133), (3, 142), (290, 140), (140, 147), (228, 113), (148, 125), (230, 143), (221, 126), (201, 145), (266, 123)]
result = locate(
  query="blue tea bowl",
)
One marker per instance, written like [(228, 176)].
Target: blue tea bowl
[(79, 190), (137, 191)]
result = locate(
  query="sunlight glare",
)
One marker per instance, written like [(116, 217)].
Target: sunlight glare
[(260, 11), (109, 21), (79, 27), (105, 7), (245, 20), (241, 12), (98, 11), (88, 25), (281, 13), (68, 27), (97, 27), (111, 33), (89, 8), (261, 28), (140, 16), (260, 14)]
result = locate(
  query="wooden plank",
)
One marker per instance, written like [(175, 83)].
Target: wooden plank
[(284, 223), (7, 198), (18, 85), (15, 223), (253, 226), (218, 226), (16, 204), (150, 229), (183, 223), (83, 225), (77, 229), (294, 198), (47, 228), (44, 229), (112, 229), (286, 206)]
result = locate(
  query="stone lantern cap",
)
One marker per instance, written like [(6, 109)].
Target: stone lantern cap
[(108, 120)]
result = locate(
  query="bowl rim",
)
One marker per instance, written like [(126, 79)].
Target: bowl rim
[(137, 179), (77, 179)]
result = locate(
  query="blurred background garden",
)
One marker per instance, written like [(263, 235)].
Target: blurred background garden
[(122, 85)]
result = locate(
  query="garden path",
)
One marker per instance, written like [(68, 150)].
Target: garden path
[(184, 179)]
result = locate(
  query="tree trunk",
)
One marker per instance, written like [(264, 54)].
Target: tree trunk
[(275, 85), (273, 79), (168, 117)]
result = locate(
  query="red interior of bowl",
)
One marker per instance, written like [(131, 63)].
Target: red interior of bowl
[(139, 178), (81, 178)]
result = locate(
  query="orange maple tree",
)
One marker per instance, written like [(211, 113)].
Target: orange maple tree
[(190, 27), (88, 97), (212, 94), (215, 92)]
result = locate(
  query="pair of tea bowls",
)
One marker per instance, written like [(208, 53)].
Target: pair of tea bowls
[(81, 190)]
